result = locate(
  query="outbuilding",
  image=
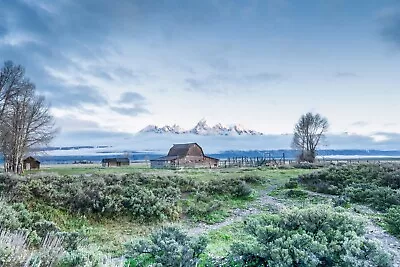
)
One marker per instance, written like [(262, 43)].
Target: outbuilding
[(115, 162), (30, 163)]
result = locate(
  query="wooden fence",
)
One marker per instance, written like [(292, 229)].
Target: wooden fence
[(266, 160)]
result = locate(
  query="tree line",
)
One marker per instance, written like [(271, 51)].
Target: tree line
[(25, 119)]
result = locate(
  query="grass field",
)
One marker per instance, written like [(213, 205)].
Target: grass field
[(201, 174), (84, 169)]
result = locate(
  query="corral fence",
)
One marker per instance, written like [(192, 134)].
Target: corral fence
[(266, 160), (269, 160)]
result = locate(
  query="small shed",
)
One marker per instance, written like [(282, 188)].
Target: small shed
[(115, 162), (185, 155), (30, 163)]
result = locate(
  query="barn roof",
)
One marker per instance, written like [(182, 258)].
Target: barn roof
[(30, 158), (181, 150), (122, 160)]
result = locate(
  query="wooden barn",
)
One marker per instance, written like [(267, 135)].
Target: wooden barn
[(115, 162), (185, 155), (30, 163)]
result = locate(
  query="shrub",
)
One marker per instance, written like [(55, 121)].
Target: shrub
[(292, 184), (306, 165), (169, 246), (318, 236), (71, 240), (380, 198), (371, 184), (385, 175), (89, 256), (243, 190), (49, 253), (14, 216), (42, 228), (252, 179), (201, 208), (8, 217), (296, 193), (143, 198), (392, 220), (237, 187)]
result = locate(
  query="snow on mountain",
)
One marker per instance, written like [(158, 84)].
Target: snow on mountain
[(175, 129), (201, 128)]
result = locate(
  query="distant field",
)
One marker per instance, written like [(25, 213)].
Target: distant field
[(81, 169), (142, 168)]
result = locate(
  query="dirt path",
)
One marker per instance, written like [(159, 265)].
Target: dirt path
[(240, 214), (389, 243)]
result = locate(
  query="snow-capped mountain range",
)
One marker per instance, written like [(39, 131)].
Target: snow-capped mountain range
[(201, 128)]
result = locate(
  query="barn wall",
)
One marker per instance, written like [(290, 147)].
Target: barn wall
[(197, 162), (32, 164), (115, 164)]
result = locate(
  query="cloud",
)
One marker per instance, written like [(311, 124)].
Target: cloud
[(103, 75), (345, 75), (89, 137), (131, 104), (263, 77), (72, 123), (360, 123), (131, 111), (222, 82), (131, 97), (197, 85), (75, 96), (3, 30), (379, 138), (391, 26), (391, 124), (221, 64)]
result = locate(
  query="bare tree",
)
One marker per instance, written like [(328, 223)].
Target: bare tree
[(11, 78), (26, 121), (308, 133)]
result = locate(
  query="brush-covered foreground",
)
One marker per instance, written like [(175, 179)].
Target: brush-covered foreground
[(375, 185), (145, 217)]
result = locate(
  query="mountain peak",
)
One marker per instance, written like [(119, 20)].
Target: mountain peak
[(201, 128)]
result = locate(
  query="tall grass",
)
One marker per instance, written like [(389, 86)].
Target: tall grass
[(15, 250)]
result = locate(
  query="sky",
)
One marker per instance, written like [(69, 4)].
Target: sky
[(110, 68)]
